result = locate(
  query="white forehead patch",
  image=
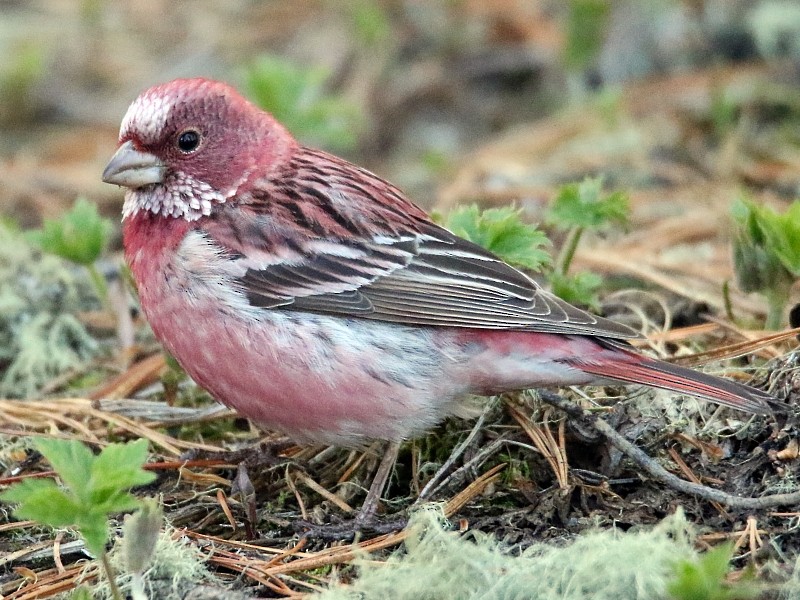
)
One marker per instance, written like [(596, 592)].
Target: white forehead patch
[(146, 116)]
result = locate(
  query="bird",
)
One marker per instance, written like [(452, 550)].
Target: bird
[(315, 298)]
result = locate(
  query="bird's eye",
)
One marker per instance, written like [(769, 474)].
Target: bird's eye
[(188, 141)]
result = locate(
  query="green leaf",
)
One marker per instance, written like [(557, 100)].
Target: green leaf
[(582, 205), (503, 232), (782, 235), (93, 526), (586, 29), (111, 501), (81, 593), (41, 500), (296, 96), (72, 461), (580, 288), (370, 22), (80, 235), (766, 253), (119, 467), (97, 486), (704, 579)]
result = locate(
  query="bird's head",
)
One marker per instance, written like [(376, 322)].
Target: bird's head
[(190, 144)]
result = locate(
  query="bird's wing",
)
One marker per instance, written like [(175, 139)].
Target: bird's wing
[(325, 236), (431, 278)]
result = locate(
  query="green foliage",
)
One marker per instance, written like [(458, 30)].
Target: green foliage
[(503, 232), (724, 112), (370, 21), (766, 253), (81, 593), (580, 288), (703, 578), (296, 96), (96, 487), (586, 30), (80, 235), (23, 69), (583, 205), (578, 207), (782, 234)]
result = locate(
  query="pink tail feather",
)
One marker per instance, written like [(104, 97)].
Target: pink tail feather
[(664, 375)]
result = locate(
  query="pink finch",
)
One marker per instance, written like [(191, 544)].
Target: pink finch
[(313, 297)]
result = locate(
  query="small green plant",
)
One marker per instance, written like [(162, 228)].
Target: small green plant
[(141, 533), (370, 21), (586, 29), (96, 486), (580, 288), (724, 112), (502, 231), (21, 72), (703, 578), (766, 253), (297, 97), (80, 236), (579, 207)]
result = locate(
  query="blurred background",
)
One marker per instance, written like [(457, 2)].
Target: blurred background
[(454, 100)]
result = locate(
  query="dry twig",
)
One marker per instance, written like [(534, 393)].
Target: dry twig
[(658, 472)]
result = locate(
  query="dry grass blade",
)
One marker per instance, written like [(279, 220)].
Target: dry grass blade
[(330, 496), (741, 348), (691, 476), (679, 334), (255, 570), (46, 415), (12, 556), (239, 545), (223, 503), (342, 554), (17, 524), (752, 536), (460, 500), (139, 375), (50, 582), (554, 451)]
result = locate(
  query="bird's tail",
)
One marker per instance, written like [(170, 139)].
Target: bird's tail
[(659, 374)]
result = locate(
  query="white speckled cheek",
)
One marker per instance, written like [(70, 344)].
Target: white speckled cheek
[(146, 115)]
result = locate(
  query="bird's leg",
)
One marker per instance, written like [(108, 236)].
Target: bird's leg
[(378, 486), (365, 519)]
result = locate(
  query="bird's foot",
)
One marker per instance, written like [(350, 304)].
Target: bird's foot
[(265, 453)]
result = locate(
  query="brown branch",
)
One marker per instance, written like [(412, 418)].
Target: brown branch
[(656, 471)]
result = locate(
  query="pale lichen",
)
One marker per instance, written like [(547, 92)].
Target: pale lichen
[(438, 562), (40, 335)]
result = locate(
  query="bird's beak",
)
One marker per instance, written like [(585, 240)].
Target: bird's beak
[(133, 169)]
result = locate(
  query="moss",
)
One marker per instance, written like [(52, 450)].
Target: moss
[(176, 567), (439, 563), (40, 337)]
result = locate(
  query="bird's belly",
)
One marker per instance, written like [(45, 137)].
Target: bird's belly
[(316, 378)]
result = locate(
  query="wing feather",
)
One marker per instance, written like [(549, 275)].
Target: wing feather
[(381, 258)]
